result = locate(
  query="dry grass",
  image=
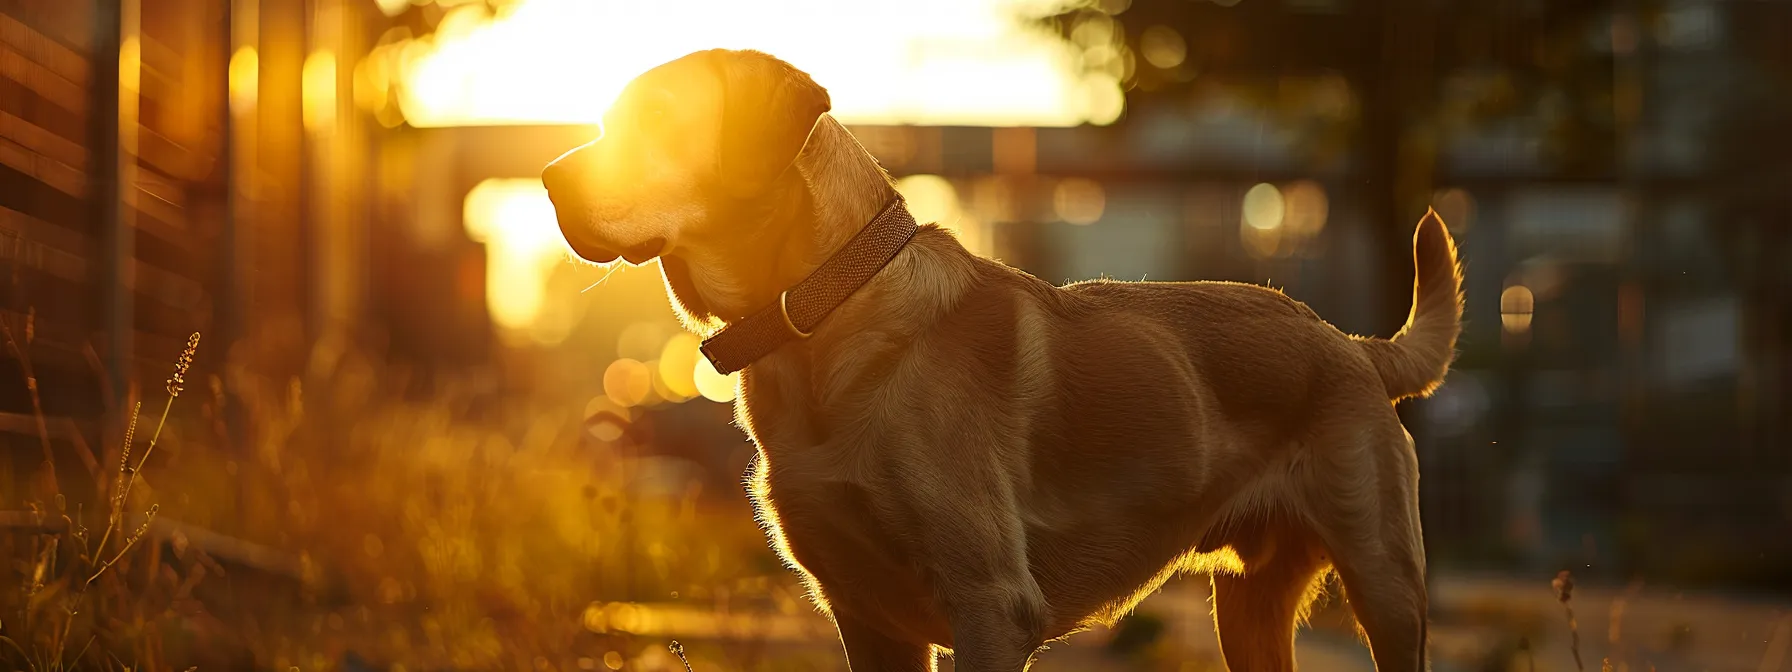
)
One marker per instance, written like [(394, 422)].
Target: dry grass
[(356, 528), (77, 591)]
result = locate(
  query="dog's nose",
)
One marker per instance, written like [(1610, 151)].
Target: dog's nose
[(571, 215), (563, 174), (556, 178), (569, 210)]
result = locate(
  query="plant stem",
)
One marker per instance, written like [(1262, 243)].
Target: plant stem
[(1574, 637), (130, 478), (115, 558)]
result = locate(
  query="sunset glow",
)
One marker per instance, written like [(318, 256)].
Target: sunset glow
[(939, 62), (515, 221)]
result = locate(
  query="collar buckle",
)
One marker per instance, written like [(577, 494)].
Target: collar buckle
[(784, 311)]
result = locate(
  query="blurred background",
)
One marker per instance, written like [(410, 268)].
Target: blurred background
[(415, 435)]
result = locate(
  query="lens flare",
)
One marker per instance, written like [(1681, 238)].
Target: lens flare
[(929, 62)]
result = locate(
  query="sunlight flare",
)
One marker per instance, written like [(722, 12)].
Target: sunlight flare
[(932, 62)]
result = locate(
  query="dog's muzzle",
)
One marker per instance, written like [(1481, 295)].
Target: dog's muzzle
[(573, 213)]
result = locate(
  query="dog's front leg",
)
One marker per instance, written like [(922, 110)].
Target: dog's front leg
[(996, 628), (979, 566), (868, 650)]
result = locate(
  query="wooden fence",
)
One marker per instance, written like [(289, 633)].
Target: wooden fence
[(149, 189)]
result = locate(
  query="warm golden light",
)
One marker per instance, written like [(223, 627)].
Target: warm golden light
[(1094, 30), (1263, 207), (515, 221), (678, 365), (1163, 47), (660, 389), (1078, 201), (1305, 208), (392, 7), (370, 84), (604, 420), (318, 89), (245, 80), (1516, 306), (627, 382), (643, 340), (130, 65), (713, 385), (933, 199), (1261, 232), (938, 62)]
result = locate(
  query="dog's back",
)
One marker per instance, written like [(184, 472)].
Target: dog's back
[(1115, 384)]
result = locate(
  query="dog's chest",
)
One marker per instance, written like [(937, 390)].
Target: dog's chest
[(844, 539)]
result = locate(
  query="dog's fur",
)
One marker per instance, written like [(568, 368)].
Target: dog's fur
[(966, 457)]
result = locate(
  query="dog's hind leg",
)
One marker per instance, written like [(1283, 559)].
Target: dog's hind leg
[(1370, 522), (868, 650), (1256, 612)]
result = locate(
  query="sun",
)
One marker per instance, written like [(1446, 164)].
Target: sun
[(931, 62)]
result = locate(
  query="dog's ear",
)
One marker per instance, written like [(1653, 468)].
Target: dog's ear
[(768, 109)]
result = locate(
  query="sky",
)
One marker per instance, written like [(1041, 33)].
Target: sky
[(926, 62)]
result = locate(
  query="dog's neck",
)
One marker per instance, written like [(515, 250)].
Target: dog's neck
[(797, 394), (845, 189), (833, 189)]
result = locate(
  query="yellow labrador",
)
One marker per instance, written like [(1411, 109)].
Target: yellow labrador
[(956, 455)]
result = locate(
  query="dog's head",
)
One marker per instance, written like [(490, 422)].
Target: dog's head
[(689, 150)]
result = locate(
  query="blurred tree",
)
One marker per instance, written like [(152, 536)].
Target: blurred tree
[(1577, 93), (1379, 84)]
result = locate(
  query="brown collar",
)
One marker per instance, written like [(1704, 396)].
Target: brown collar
[(802, 307)]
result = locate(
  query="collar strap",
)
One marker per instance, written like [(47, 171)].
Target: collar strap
[(801, 308)]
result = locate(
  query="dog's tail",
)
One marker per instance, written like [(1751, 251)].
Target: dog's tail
[(1414, 361)]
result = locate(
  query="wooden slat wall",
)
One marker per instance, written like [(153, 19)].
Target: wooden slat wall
[(52, 261)]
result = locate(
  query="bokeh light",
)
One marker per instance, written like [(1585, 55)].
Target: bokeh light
[(643, 340), (931, 198), (1163, 47), (318, 88), (371, 82), (1078, 200), (1263, 207), (1305, 208), (711, 384), (392, 7), (627, 382), (605, 420), (1102, 100), (1516, 307), (245, 80), (515, 220), (678, 365), (934, 199), (1094, 30), (1260, 229)]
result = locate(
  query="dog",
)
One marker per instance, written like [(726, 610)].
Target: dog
[(959, 457)]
